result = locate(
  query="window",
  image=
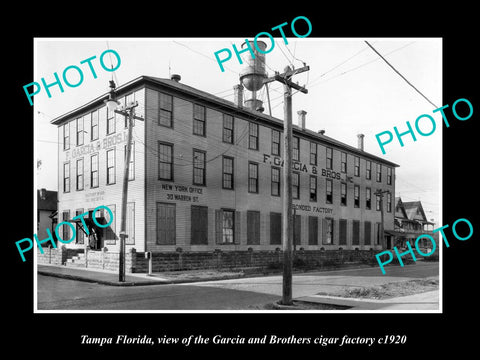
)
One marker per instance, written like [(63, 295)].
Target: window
[(313, 153), (356, 232), (275, 228), (228, 128), (199, 167), (389, 202), (356, 166), (166, 224), (111, 167), (66, 136), (165, 161), (165, 117), (80, 174), (368, 198), (199, 120), (296, 148), (79, 229), (379, 172), (275, 142), (199, 228), (252, 177), (94, 126), (275, 181), (80, 131), (94, 171), (343, 163), (312, 230), (342, 233), (131, 166), (329, 158), (66, 229), (389, 176), (130, 225), (313, 188), (367, 232), (227, 181), (327, 231), (66, 177), (343, 194), (329, 191), (377, 200), (110, 122), (295, 185), (109, 232), (369, 170), (356, 196), (228, 227), (252, 136), (253, 227)]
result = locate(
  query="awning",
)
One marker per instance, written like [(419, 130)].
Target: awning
[(395, 233), (89, 222)]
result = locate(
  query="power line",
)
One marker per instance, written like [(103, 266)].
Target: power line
[(403, 77), (205, 56), (357, 67)]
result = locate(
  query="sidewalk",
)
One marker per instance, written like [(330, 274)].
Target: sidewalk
[(107, 277), (423, 301)]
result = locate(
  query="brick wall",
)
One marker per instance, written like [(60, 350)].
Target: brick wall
[(217, 259), (56, 256)]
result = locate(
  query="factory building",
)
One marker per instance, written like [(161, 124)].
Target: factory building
[(206, 175)]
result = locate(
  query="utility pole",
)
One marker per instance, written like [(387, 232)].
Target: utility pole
[(382, 235), (129, 113), (287, 218)]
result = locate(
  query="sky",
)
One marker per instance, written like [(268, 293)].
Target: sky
[(351, 90)]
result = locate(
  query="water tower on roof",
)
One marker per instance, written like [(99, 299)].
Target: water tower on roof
[(254, 74)]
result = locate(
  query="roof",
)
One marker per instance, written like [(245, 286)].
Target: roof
[(415, 211), (197, 94), (400, 209), (46, 200)]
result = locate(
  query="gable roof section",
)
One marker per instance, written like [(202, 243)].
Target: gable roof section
[(400, 209), (415, 211)]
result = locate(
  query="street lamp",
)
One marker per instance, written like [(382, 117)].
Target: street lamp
[(129, 112)]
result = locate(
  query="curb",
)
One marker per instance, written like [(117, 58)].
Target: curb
[(135, 283)]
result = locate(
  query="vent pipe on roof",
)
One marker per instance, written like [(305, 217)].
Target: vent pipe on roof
[(175, 77), (238, 95), (301, 118), (360, 141)]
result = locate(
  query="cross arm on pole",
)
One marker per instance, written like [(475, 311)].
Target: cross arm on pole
[(285, 78)]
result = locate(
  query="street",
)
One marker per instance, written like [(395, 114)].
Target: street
[(244, 293)]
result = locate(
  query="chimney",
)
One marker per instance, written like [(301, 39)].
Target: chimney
[(301, 118), (360, 141), (238, 95), (176, 77)]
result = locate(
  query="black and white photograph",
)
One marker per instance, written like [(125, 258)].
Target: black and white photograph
[(200, 208), (268, 183)]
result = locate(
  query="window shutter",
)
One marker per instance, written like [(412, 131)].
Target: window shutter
[(312, 230), (343, 232), (324, 230), (236, 236), (218, 226)]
